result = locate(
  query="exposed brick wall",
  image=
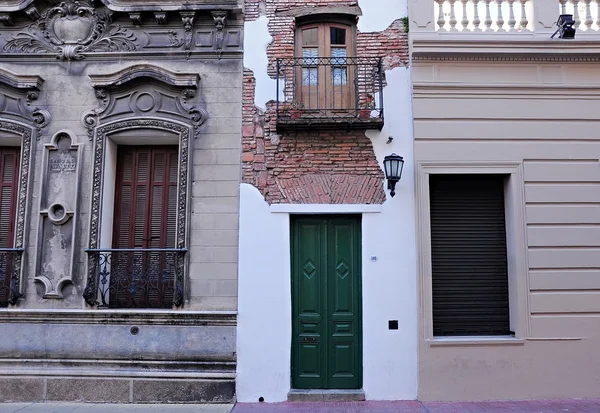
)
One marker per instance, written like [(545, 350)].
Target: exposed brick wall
[(332, 168)]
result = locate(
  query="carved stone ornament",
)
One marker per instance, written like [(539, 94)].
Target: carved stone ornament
[(220, 18), (188, 24), (90, 293), (58, 207), (17, 98), (145, 91), (71, 29)]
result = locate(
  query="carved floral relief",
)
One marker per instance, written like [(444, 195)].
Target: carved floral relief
[(72, 29)]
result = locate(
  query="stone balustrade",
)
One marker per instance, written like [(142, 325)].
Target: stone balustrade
[(525, 19), (484, 15), (586, 13)]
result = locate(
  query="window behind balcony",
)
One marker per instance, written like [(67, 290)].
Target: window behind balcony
[(9, 173), (145, 218), (325, 77)]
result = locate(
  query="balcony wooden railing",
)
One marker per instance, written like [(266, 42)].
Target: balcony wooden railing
[(329, 93)]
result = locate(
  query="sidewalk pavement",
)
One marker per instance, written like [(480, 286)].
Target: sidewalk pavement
[(110, 408), (536, 406)]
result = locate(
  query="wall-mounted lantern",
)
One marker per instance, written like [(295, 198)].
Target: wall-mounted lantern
[(565, 25), (393, 165)]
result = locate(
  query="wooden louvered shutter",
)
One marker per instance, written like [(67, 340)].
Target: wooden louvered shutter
[(9, 181), (468, 255), (145, 214)]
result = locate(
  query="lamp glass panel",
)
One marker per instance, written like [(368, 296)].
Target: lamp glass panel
[(387, 163)]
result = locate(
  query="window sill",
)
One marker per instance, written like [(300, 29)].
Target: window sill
[(474, 341)]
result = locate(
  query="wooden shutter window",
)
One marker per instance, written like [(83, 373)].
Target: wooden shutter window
[(146, 197), (9, 183), (468, 255), (145, 218)]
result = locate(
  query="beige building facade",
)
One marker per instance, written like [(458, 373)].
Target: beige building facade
[(498, 99)]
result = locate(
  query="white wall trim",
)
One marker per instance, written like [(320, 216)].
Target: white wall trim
[(326, 209)]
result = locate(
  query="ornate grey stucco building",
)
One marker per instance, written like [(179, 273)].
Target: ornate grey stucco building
[(120, 126)]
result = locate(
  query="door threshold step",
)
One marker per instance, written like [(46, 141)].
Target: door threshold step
[(297, 395)]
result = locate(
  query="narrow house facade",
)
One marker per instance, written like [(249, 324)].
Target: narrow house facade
[(327, 259), (507, 195), (119, 173)]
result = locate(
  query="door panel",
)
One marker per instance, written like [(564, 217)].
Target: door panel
[(326, 344)]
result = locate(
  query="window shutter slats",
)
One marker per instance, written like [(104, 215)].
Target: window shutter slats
[(9, 174), (145, 204), (468, 254)]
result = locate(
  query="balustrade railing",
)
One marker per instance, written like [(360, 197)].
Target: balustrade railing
[(510, 16), (586, 13), (10, 262), (138, 278)]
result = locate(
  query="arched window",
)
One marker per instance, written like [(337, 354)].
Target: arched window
[(325, 77)]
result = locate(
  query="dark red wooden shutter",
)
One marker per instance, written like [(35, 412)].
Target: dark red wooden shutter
[(9, 182), (468, 255), (145, 211)]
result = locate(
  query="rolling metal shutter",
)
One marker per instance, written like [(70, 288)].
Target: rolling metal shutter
[(468, 254)]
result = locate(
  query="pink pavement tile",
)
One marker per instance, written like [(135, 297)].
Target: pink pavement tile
[(331, 407), (532, 406)]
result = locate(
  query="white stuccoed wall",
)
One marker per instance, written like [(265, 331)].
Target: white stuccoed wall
[(389, 283)]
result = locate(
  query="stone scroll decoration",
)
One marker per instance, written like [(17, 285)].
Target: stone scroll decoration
[(149, 98), (58, 207), (23, 116), (70, 30)]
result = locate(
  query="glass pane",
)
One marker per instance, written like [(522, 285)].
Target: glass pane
[(338, 56), (310, 76), (310, 56), (338, 36), (310, 37), (339, 76)]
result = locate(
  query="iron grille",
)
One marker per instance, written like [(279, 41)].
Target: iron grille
[(10, 263), (138, 278), (319, 92)]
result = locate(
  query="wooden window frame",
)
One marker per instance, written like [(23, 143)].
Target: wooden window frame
[(323, 23), (516, 247)]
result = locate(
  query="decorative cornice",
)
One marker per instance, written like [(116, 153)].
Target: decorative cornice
[(21, 81), (117, 79), (140, 5), (298, 12), (140, 317), (436, 46)]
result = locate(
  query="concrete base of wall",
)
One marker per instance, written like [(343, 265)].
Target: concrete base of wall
[(117, 357), (326, 395), (113, 390)]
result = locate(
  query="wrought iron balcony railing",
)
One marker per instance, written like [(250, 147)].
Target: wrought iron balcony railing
[(10, 264), (135, 278), (329, 92)]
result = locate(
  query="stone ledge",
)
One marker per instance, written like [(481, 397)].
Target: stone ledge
[(143, 317), (296, 395)]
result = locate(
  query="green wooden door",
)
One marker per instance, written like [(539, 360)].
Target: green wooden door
[(326, 302)]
